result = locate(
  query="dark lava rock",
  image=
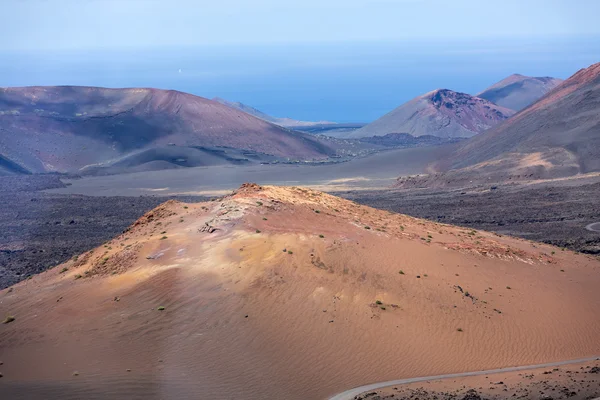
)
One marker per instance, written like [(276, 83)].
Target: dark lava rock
[(472, 395)]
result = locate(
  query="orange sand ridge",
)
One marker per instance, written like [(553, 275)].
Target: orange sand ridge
[(289, 293)]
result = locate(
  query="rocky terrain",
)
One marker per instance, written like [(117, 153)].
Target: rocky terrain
[(443, 113), (573, 381), (40, 230), (554, 212)]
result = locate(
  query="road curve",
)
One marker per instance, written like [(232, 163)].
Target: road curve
[(594, 227), (350, 394)]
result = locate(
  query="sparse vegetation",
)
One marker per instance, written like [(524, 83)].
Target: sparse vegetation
[(321, 236), (8, 319), (401, 272), (264, 219), (160, 308), (367, 227), (163, 232), (378, 302), (290, 252), (258, 231), (78, 276), (317, 211), (65, 269), (260, 203), (508, 287), (185, 207), (459, 329), (163, 238)]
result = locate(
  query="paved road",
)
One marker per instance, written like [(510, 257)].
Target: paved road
[(350, 394), (595, 227)]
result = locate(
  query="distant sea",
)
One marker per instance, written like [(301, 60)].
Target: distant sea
[(341, 82)]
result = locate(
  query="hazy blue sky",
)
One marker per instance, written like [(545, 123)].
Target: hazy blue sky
[(54, 24), (340, 60)]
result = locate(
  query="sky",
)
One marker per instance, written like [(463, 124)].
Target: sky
[(341, 60)]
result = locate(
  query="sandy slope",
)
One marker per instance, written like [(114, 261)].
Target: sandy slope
[(245, 319)]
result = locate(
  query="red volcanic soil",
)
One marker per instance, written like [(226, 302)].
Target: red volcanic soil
[(442, 113), (66, 128), (282, 292)]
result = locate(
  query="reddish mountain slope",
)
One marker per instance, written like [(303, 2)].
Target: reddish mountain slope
[(518, 91), (442, 113), (559, 135), (67, 128)]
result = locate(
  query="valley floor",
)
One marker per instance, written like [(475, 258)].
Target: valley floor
[(41, 229), (558, 212)]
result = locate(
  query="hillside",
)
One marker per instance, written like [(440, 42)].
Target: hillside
[(286, 122), (518, 91), (443, 113), (284, 292), (557, 136), (67, 128)]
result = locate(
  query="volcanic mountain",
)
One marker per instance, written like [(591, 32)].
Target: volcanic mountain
[(285, 122), (518, 91), (557, 136), (68, 128), (289, 293), (443, 113)]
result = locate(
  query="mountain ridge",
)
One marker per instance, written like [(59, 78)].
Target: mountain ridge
[(441, 112)]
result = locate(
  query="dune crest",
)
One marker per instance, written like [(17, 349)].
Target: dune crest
[(286, 292)]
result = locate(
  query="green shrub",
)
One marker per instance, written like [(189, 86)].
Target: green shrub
[(65, 269), (8, 319)]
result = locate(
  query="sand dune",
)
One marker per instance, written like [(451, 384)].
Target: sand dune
[(288, 293)]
